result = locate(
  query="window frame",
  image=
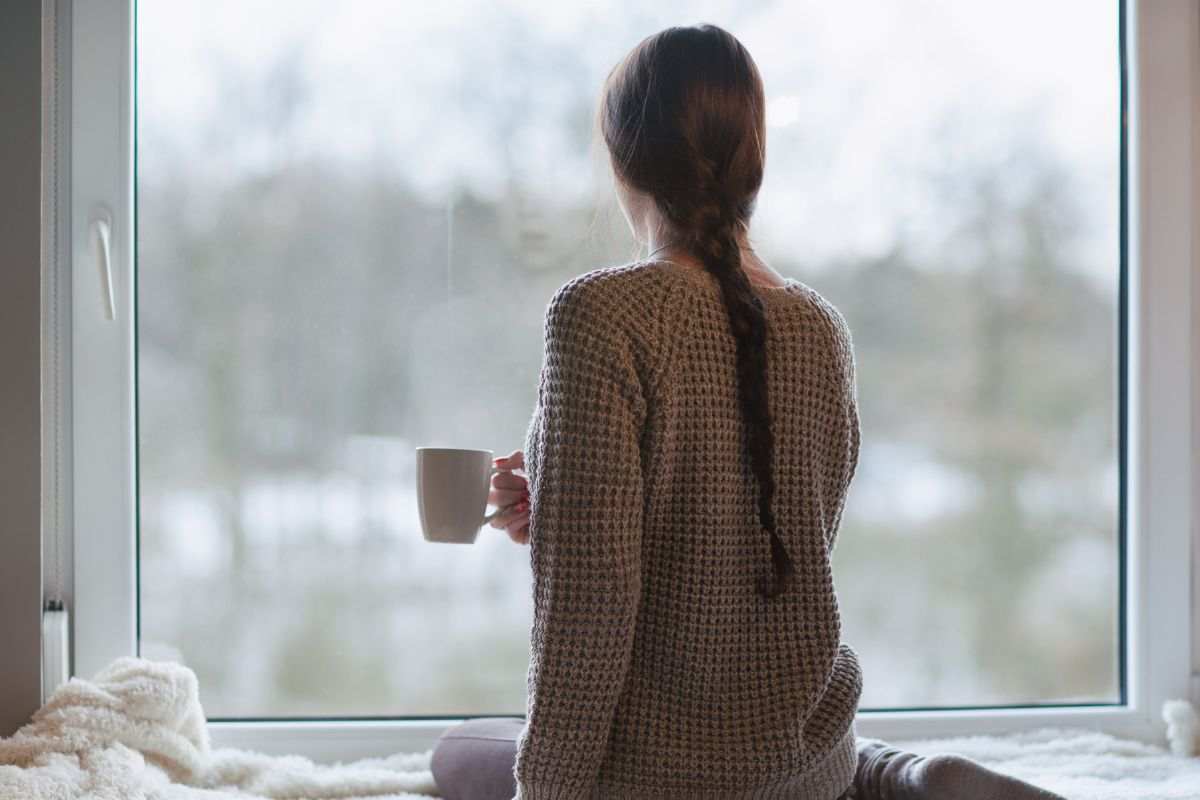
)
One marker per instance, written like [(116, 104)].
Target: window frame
[(1161, 340)]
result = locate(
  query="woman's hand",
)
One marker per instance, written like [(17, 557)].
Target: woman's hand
[(510, 489)]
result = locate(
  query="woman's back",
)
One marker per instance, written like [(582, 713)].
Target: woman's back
[(659, 668)]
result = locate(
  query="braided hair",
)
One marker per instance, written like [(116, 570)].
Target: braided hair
[(682, 116)]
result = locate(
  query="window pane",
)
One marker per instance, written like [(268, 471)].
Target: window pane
[(350, 221)]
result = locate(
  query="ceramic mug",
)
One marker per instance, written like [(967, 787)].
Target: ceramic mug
[(452, 493)]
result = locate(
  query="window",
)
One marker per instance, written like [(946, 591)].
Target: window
[(348, 223)]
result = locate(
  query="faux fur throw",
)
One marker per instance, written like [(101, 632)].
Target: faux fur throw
[(137, 732), (1079, 764)]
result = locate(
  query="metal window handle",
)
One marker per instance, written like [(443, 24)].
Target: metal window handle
[(103, 242)]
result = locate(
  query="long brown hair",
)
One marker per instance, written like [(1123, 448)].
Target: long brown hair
[(682, 116)]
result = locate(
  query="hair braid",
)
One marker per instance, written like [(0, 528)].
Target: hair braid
[(710, 231), (683, 117)]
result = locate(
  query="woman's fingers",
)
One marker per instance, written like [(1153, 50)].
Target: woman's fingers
[(509, 480), (511, 492), (505, 497), (510, 515), (518, 529), (514, 522), (500, 520), (514, 460), (507, 489)]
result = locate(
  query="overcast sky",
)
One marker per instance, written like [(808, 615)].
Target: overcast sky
[(866, 99)]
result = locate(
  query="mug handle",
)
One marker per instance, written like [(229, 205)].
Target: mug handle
[(489, 517)]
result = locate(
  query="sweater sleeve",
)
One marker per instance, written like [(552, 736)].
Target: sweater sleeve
[(849, 441), (584, 466)]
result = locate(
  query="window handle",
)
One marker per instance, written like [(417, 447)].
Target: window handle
[(102, 238)]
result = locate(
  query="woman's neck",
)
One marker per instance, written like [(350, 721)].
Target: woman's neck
[(757, 269)]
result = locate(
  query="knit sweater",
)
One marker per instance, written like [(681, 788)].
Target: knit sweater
[(656, 668)]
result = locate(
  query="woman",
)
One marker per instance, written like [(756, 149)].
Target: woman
[(694, 438)]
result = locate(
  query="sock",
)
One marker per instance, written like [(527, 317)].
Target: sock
[(887, 773)]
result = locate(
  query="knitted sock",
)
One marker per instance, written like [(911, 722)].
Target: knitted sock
[(887, 773)]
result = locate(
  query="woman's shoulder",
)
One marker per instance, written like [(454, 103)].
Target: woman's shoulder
[(614, 280), (626, 310), (617, 294), (838, 341), (829, 313)]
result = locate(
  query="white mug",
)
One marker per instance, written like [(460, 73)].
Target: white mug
[(452, 493)]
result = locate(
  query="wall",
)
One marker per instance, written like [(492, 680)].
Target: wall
[(1194, 75), (20, 362)]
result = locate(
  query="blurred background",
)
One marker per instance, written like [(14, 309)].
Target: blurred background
[(351, 217)]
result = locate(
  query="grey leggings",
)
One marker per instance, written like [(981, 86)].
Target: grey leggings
[(474, 761)]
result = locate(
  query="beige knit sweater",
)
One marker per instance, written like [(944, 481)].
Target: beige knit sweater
[(656, 669)]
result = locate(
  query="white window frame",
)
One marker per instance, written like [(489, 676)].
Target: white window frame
[(1163, 41)]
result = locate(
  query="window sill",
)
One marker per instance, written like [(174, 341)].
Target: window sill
[(327, 742)]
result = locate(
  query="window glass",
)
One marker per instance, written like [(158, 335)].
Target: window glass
[(352, 215)]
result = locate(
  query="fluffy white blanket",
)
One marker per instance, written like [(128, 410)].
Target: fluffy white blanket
[(137, 732), (1079, 764)]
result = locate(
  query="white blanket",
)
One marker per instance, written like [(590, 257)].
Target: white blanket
[(137, 732), (1079, 764)]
